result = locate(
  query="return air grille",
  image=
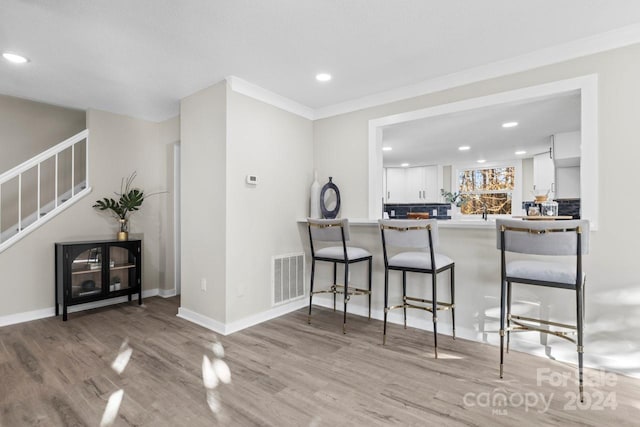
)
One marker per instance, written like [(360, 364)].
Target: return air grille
[(288, 278)]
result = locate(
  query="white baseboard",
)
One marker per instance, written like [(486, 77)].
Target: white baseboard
[(199, 319), (265, 315), (149, 293), (27, 316), (166, 293), (238, 325)]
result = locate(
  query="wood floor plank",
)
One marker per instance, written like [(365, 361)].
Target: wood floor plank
[(284, 372)]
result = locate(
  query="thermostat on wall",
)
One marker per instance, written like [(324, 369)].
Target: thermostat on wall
[(252, 179)]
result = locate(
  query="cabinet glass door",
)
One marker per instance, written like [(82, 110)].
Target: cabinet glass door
[(122, 269), (86, 273)]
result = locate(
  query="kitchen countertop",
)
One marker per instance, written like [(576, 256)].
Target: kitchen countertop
[(442, 223)]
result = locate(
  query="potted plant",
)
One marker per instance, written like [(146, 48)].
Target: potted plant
[(129, 200), (456, 199)]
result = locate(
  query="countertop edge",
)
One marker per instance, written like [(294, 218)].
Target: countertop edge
[(442, 223)]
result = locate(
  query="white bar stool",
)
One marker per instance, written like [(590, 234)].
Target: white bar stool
[(549, 238), (336, 230), (422, 235)]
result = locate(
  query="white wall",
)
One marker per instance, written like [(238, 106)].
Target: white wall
[(277, 146), (118, 146), (613, 287), (203, 139), (230, 229)]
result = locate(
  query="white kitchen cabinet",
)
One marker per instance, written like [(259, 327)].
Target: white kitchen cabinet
[(396, 185), (567, 183), (415, 185), (566, 149), (544, 175), (412, 185), (431, 192)]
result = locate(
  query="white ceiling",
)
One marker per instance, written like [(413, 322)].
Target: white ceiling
[(141, 57), (435, 140)]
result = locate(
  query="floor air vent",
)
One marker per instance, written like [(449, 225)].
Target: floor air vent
[(288, 278)]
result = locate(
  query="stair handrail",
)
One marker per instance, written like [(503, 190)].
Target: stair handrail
[(58, 148), (75, 192)]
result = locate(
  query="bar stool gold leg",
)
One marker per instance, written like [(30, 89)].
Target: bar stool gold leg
[(370, 274), (508, 315), (404, 297), (434, 312), (453, 304), (503, 290)]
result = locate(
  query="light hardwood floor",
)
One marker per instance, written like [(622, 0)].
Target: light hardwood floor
[(283, 373)]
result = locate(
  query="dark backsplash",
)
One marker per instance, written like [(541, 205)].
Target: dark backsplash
[(565, 207), (400, 210)]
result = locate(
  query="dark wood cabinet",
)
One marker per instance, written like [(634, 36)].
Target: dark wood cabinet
[(97, 270)]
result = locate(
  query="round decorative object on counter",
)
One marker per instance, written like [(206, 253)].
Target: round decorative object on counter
[(330, 200)]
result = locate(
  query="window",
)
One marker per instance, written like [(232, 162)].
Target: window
[(490, 187)]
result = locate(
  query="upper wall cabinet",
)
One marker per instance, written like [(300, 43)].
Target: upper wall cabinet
[(566, 149), (412, 185), (396, 179), (544, 173)]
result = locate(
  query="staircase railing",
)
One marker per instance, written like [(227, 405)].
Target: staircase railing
[(35, 191)]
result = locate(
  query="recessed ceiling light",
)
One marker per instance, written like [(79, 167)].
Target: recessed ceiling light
[(387, 148), (404, 165), (323, 77), (16, 59), (464, 148), (510, 124), (520, 152), (481, 161)]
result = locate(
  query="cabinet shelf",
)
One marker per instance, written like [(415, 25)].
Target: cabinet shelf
[(122, 266), (91, 271), (78, 292), (87, 271)]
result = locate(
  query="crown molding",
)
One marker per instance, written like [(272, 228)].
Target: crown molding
[(609, 40), (251, 90), (621, 37)]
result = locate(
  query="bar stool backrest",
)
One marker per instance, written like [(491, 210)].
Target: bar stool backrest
[(407, 233), (329, 230), (543, 237)]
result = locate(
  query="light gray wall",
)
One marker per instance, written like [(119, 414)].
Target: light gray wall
[(277, 146), (119, 145), (612, 283), (170, 136), (203, 139), (28, 128)]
